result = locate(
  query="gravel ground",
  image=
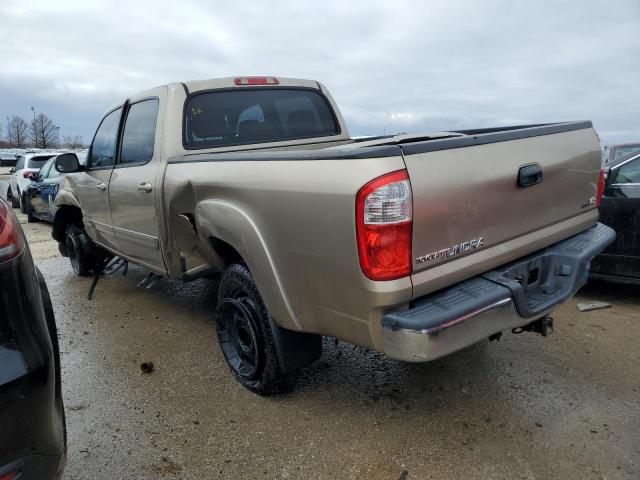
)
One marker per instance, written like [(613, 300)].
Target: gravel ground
[(563, 407)]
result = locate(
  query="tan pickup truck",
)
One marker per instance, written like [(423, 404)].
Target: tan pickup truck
[(412, 245)]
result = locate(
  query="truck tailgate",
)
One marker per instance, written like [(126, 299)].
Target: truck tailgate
[(467, 198)]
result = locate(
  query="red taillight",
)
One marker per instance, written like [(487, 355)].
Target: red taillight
[(11, 239), (256, 81), (10, 476), (600, 190), (384, 226), (26, 174)]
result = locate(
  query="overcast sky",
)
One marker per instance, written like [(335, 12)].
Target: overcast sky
[(391, 65)]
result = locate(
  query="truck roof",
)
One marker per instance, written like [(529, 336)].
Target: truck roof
[(230, 82)]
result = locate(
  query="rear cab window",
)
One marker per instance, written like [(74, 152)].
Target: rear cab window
[(248, 116)]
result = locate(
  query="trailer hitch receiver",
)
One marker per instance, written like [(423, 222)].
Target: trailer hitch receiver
[(542, 326)]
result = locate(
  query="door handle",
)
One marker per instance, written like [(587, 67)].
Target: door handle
[(529, 175), (145, 187), (101, 186)]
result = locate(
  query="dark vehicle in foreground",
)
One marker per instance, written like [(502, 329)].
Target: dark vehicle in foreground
[(620, 209), (8, 159), (32, 422), (38, 196)]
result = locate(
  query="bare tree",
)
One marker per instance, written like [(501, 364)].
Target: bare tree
[(72, 141), (17, 134), (43, 132)]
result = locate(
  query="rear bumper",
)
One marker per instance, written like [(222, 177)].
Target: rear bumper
[(509, 297)]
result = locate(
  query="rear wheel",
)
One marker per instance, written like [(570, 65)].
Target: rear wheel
[(80, 250), (245, 335)]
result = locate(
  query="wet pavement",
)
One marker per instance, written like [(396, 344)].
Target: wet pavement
[(526, 407)]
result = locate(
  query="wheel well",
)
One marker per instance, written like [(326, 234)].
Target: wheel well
[(226, 252), (65, 216)]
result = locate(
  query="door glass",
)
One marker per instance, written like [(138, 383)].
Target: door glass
[(103, 149), (139, 132), (629, 173), (44, 171), (53, 171)]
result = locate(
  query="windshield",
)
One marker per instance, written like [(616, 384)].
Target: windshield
[(622, 151), (238, 117)]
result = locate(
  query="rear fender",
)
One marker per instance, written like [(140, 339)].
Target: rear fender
[(228, 222)]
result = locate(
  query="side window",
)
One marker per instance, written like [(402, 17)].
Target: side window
[(53, 171), (629, 173), (139, 132), (103, 149), (44, 171), (20, 164)]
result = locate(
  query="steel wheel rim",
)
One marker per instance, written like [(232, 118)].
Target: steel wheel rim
[(72, 251), (239, 336)]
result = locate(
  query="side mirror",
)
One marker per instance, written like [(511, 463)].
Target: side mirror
[(68, 163), (12, 170)]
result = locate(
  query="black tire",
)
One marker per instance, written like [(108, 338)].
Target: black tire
[(79, 247), (22, 203), (245, 336), (15, 199), (30, 217)]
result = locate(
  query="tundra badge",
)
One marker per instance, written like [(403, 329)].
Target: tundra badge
[(452, 251)]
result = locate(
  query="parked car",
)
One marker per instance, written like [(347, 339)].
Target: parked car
[(32, 421), (620, 210), (616, 152), (412, 245), (39, 195), (8, 159), (21, 175)]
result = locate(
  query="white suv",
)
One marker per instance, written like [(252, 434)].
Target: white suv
[(30, 163)]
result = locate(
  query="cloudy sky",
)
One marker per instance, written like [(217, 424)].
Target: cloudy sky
[(391, 65)]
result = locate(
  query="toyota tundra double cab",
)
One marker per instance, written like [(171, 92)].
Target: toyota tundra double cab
[(412, 245)]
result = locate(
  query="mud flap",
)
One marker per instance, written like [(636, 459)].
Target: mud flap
[(295, 349)]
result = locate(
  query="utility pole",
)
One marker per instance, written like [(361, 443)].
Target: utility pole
[(35, 127), (58, 131)]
